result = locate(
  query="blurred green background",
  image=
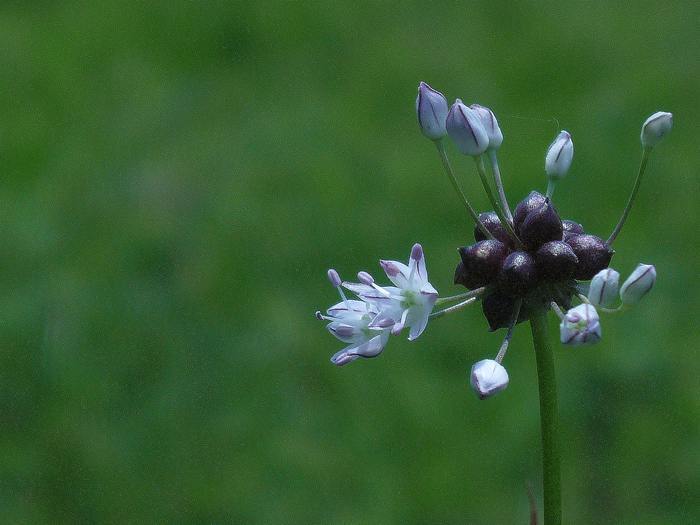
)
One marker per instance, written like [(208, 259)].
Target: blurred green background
[(178, 176)]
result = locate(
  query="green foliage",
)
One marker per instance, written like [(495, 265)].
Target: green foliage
[(176, 179)]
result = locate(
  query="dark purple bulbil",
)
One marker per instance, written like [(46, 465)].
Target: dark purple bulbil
[(556, 261), (593, 254), (481, 263), (532, 201), (493, 225), (518, 274), (554, 253), (541, 225)]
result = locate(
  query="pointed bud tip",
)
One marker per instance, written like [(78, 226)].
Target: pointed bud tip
[(655, 128)]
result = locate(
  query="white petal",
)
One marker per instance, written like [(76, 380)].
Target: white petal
[(342, 357), (396, 272)]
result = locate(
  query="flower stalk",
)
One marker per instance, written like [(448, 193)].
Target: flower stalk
[(549, 419), (632, 197)]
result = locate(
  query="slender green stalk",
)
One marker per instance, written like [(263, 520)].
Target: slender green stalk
[(497, 208), (454, 308), (633, 195), (550, 188), (461, 296), (499, 185), (549, 419), (451, 175)]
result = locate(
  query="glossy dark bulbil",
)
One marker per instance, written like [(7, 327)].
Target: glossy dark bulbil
[(498, 310), (555, 253), (518, 274), (556, 261), (481, 263), (533, 201), (541, 225), (493, 225), (593, 254)]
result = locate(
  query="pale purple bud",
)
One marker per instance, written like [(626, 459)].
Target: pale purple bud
[(417, 252), (466, 131), (334, 278), (580, 326), (365, 278), (431, 109), (488, 377), (655, 128), (559, 156), (640, 281), (488, 120), (604, 287)]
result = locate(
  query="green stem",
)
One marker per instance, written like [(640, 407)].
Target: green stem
[(499, 185), (550, 188), (496, 207), (461, 296), (451, 175), (548, 419), (633, 195)]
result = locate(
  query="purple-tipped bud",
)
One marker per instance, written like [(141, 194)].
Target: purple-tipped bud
[(417, 252), (488, 120), (580, 326), (334, 278), (498, 309), (518, 274), (431, 109), (493, 225), (465, 129), (655, 128), (571, 228), (481, 263), (556, 261), (636, 286), (604, 286), (533, 201), (559, 156), (593, 254), (540, 226), (365, 278), (488, 377)]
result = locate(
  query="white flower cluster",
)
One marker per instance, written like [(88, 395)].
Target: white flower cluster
[(365, 325)]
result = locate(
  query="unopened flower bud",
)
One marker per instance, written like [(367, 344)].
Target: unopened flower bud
[(533, 201), (655, 128), (604, 286), (559, 156), (518, 274), (640, 281), (431, 109), (580, 326), (593, 254), (540, 226), (556, 261), (481, 263), (465, 129), (488, 377), (488, 120)]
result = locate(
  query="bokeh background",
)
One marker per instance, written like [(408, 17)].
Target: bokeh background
[(178, 176)]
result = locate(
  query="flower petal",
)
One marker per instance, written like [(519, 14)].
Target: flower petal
[(396, 272)]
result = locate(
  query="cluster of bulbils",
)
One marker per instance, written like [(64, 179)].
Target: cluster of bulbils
[(520, 263)]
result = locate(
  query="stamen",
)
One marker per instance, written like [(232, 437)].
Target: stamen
[(365, 278)]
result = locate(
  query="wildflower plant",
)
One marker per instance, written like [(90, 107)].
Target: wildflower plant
[(523, 263)]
